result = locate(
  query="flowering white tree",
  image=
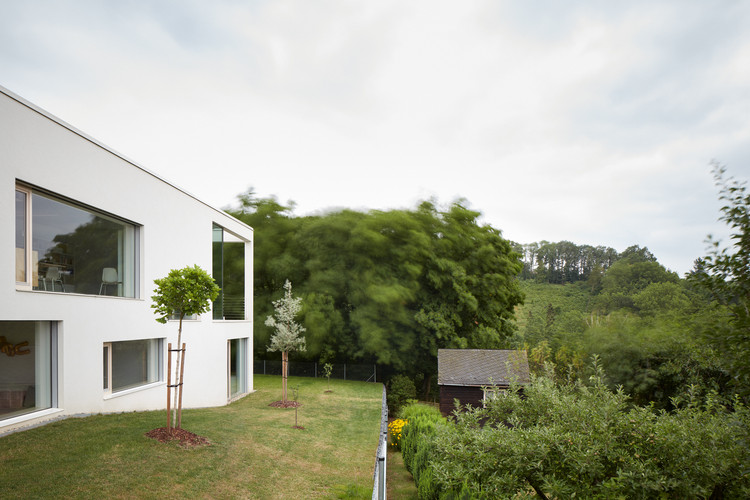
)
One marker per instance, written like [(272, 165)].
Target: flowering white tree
[(288, 331)]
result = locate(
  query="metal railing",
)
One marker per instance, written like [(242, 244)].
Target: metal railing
[(379, 475), (232, 307), (359, 372)]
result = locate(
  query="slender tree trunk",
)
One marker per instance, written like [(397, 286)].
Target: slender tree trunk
[(182, 375), (284, 373), (427, 385)]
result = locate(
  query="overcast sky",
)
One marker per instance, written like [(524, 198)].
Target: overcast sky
[(592, 122)]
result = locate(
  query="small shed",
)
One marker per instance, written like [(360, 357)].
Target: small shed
[(463, 373)]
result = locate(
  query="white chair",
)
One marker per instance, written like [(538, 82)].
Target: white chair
[(53, 276), (109, 277)]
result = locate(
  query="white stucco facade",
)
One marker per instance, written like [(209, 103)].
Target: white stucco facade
[(173, 230)]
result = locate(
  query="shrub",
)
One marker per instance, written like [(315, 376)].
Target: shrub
[(426, 485), (417, 446), (400, 390), (415, 409), (577, 441)]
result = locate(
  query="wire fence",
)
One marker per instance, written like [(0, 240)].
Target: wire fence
[(344, 371)]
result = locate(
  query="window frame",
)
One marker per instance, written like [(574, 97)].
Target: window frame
[(491, 393), (47, 376), (28, 271), (242, 368), (28, 285), (218, 306), (108, 369)]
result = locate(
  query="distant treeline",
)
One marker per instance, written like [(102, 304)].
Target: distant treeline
[(565, 262)]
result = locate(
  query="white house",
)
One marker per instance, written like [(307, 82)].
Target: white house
[(92, 232)]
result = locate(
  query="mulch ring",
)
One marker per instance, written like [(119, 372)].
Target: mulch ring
[(186, 439), (285, 404)]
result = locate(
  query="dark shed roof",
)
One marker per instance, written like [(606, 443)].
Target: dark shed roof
[(476, 367)]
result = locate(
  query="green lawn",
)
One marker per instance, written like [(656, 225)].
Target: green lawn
[(255, 451), (400, 483)]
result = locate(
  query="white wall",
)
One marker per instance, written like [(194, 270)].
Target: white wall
[(176, 231)]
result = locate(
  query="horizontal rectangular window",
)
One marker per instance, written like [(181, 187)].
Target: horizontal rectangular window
[(65, 247), (188, 317), (131, 363), (28, 367)]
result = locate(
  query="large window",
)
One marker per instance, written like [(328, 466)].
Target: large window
[(28, 367), (131, 363), (65, 247), (237, 362), (229, 273)]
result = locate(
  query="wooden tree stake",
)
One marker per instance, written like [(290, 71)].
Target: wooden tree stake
[(182, 370), (169, 386)]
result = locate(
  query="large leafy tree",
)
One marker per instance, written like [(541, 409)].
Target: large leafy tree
[(389, 287)]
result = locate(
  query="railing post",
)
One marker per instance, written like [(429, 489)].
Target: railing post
[(381, 478), (381, 462)]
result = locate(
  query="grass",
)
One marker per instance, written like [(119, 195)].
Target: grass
[(400, 483), (255, 452)]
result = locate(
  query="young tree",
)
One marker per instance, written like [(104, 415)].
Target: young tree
[(183, 292), (288, 331), (327, 370)]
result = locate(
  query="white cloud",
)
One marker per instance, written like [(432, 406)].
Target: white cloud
[(588, 122)]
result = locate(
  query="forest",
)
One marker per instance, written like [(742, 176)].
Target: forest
[(385, 287), (392, 287), (621, 349)]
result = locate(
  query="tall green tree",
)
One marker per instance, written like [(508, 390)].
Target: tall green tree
[(389, 287)]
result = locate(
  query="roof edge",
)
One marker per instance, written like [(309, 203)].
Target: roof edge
[(24, 102)]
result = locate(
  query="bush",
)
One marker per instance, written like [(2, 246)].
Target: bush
[(426, 486), (415, 409), (400, 390), (417, 446), (422, 420), (577, 441)]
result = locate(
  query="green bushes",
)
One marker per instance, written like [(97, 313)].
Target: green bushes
[(417, 445), (401, 389), (569, 440)]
